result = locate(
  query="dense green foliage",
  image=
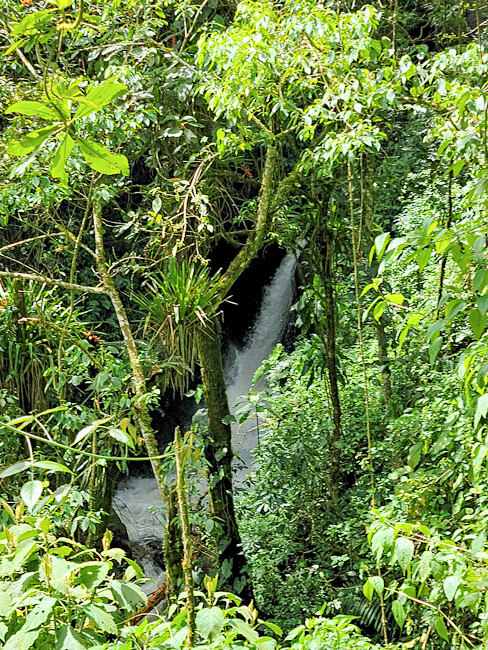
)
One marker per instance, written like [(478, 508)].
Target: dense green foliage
[(150, 152)]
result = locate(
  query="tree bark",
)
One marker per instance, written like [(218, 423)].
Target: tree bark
[(330, 316), (218, 453)]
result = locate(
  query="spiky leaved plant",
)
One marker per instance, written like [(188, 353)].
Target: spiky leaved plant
[(179, 301)]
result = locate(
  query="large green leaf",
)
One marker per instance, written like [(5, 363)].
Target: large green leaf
[(39, 614), (101, 159), (22, 640), (34, 108), (69, 639), (451, 583), (16, 468), (30, 141), (31, 492), (52, 465), (99, 96), (477, 322), (404, 550), (128, 596), (398, 612), (102, 619), (58, 162), (209, 621)]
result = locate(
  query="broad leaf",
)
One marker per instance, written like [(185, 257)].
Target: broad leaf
[(39, 614), (69, 639), (34, 108), (58, 162), (209, 621), (451, 583), (398, 612), (404, 550), (102, 619), (31, 492), (52, 465), (30, 142), (99, 96), (128, 596), (16, 468), (101, 159), (121, 436), (441, 628)]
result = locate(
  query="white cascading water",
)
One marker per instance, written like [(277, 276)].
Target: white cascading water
[(137, 501), (266, 333)]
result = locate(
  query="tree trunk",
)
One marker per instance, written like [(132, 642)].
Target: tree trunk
[(173, 546), (218, 453), (330, 315)]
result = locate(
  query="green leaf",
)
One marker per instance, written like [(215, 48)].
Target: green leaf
[(395, 298), (244, 629), (121, 436), (52, 465), (39, 614), (381, 541), (15, 46), (380, 243), (478, 543), (481, 409), (434, 348), (101, 159), (128, 595), (482, 303), (441, 628), (368, 589), (477, 322), (60, 157), (398, 613), (92, 574), (425, 565), (16, 468), (378, 584), (63, 4), (69, 639), (209, 621), (34, 108), (5, 603), (31, 492), (423, 258), (22, 640), (99, 96), (404, 550), (480, 280), (30, 142), (102, 619), (451, 583)]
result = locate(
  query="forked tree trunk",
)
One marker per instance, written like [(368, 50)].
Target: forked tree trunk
[(218, 453)]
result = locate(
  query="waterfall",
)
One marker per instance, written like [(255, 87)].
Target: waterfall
[(138, 501), (266, 333)]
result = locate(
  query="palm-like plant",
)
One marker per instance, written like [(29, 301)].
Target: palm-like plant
[(180, 302)]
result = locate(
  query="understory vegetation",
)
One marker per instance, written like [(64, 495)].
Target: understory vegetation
[(157, 158)]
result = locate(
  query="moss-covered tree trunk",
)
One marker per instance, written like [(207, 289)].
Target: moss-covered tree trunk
[(218, 453)]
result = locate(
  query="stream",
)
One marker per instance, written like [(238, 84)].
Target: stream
[(137, 500)]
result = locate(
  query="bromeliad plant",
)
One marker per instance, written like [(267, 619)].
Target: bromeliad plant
[(179, 304)]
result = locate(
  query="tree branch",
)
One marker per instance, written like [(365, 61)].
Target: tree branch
[(56, 283)]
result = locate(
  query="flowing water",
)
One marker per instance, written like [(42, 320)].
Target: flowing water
[(137, 501)]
